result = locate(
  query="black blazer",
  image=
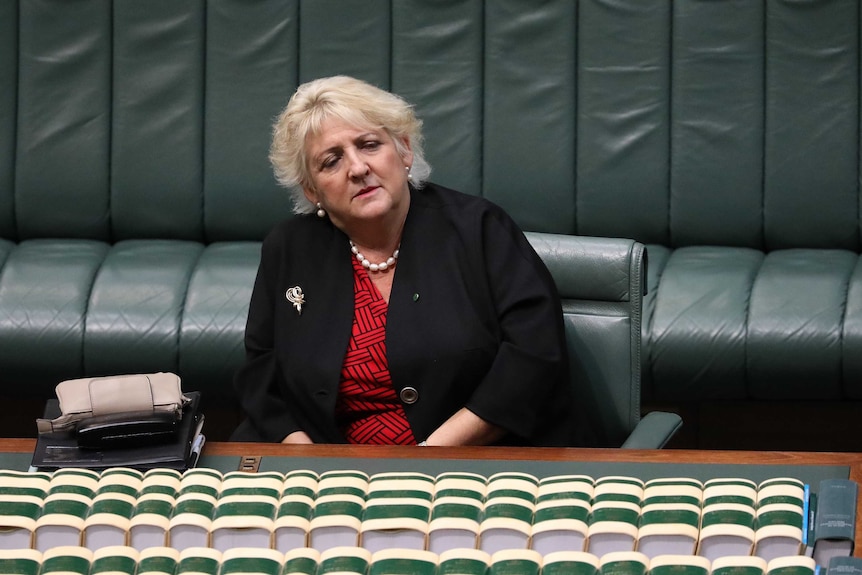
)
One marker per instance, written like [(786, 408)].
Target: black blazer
[(474, 320)]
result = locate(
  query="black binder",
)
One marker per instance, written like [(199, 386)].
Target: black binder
[(58, 450)]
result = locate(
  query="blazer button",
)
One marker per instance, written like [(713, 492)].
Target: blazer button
[(409, 395)]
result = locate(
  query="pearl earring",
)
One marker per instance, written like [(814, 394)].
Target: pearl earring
[(409, 175), (321, 213)]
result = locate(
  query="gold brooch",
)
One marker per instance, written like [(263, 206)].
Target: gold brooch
[(295, 296)]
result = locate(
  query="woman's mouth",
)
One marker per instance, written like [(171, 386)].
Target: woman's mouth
[(365, 191)]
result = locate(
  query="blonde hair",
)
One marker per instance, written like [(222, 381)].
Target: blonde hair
[(350, 100)]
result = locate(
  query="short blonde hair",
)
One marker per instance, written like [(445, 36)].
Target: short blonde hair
[(350, 100)]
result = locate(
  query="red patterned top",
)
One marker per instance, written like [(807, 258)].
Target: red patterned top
[(368, 410)]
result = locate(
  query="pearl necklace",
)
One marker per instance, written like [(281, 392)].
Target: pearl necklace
[(382, 266)]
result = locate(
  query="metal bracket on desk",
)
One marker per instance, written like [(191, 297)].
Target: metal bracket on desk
[(249, 463)]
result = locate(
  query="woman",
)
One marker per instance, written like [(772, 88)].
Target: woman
[(391, 310)]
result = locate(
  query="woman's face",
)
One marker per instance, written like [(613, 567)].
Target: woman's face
[(357, 174)]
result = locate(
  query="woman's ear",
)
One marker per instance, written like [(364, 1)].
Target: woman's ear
[(310, 194), (407, 157)]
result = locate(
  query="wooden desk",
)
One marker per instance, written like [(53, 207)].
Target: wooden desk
[(671, 457)]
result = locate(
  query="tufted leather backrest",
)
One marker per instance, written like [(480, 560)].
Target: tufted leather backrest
[(676, 123)]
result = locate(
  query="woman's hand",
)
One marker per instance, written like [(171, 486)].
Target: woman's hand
[(465, 428), (297, 438)]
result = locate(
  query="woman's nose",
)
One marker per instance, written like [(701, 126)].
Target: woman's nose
[(357, 166)]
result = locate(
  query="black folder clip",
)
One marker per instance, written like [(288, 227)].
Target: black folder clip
[(124, 430)]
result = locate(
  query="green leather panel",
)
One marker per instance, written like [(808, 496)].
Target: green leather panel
[(44, 290), (622, 129), (350, 37), (439, 69), (214, 316), (794, 349), (157, 139), (717, 95), (707, 61), (600, 282), (657, 257), (530, 65), (8, 105), (697, 347), (597, 269), (812, 125), (600, 356), (653, 431), (251, 70), (6, 248), (136, 306), (851, 338), (63, 150)]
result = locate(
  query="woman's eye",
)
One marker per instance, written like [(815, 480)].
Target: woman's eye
[(329, 162), (371, 145)]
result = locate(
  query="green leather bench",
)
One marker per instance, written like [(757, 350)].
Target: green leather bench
[(134, 184)]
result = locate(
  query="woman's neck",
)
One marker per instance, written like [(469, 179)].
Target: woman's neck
[(379, 237)]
